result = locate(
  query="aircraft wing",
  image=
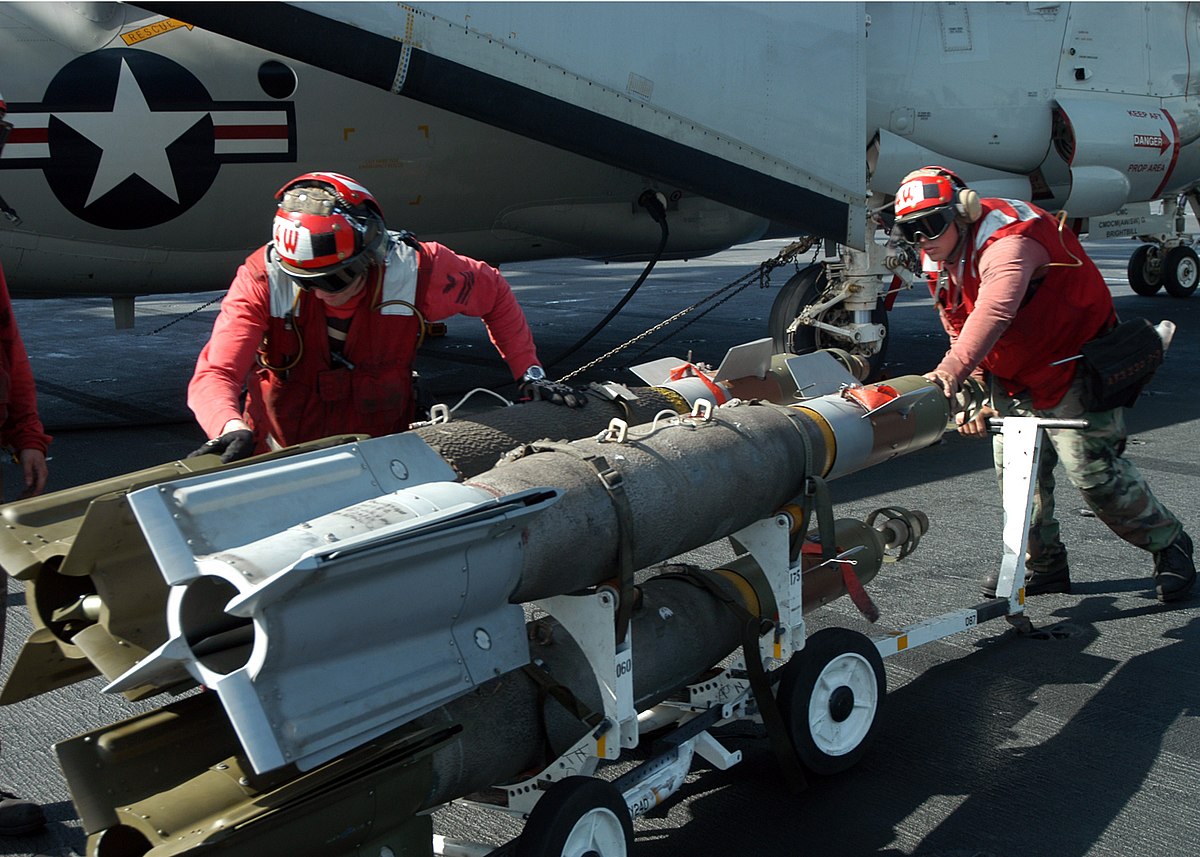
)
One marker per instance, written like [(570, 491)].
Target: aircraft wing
[(756, 105)]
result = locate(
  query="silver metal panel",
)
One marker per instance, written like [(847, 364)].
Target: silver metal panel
[(854, 433), (932, 77), (818, 374), (357, 636), (749, 360), (201, 515), (727, 79), (1108, 48), (1123, 151), (376, 635)]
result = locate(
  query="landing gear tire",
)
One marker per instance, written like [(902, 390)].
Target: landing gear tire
[(1146, 270), (578, 817), (803, 289), (1181, 272), (830, 696)]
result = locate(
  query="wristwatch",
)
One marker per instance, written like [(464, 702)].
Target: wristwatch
[(535, 373)]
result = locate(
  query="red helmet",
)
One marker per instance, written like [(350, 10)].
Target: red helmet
[(328, 230), (924, 190), (929, 200)]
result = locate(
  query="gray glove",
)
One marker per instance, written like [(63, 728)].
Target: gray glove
[(535, 385), (231, 446)]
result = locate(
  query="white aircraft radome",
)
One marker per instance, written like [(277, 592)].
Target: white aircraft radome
[(148, 141)]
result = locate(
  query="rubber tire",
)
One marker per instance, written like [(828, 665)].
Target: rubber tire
[(802, 289), (837, 667), (1146, 278), (578, 816), (1181, 272)]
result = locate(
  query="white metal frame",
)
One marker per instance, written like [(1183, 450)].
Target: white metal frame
[(590, 620)]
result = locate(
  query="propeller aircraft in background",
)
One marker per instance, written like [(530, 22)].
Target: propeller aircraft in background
[(149, 141)]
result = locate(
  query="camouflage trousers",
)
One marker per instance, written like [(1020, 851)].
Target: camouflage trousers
[(1094, 461)]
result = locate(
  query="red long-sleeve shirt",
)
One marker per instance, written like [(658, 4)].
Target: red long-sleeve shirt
[(457, 285), (20, 425), (1005, 269)]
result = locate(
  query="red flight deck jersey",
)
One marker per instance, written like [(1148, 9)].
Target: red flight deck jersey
[(20, 426), (271, 337), (1070, 305)]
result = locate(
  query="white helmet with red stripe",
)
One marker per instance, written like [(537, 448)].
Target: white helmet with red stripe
[(929, 200), (328, 230), (923, 190)]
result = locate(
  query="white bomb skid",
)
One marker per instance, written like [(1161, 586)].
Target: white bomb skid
[(472, 611)]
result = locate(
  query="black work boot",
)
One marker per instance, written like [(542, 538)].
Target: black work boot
[(1174, 571), (992, 580), (1053, 577), (1039, 579), (19, 816)]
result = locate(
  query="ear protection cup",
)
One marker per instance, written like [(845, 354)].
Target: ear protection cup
[(374, 248), (968, 206)]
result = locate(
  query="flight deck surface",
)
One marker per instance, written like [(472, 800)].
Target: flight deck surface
[(1081, 739)]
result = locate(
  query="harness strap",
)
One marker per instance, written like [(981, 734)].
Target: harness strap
[(614, 484), (816, 494), (548, 687), (806, 502), (756, 674)]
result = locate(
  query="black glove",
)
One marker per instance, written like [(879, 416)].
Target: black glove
[(536, 385), (231, 446)]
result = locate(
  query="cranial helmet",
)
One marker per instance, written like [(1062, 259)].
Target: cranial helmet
[(328, 230), (929, 200)]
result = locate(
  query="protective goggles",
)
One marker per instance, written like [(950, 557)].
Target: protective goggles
[(929, 226), (332, 283)]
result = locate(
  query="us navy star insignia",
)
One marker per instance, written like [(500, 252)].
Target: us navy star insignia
[(134, 139)]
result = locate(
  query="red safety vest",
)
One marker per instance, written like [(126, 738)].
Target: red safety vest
[(20, 426), (315, 397), (1068, 307)]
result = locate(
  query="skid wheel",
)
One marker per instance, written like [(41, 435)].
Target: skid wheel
[(804, 287), (830, 696), (1146, 270), (578, 817), (1181, 272)]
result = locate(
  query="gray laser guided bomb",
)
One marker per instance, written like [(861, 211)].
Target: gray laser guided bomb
[(357, 610)]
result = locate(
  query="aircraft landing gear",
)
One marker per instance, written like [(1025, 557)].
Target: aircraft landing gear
[(1167, 259), (1146, 270), (808, 288), (1181, 271), (1178, 270)]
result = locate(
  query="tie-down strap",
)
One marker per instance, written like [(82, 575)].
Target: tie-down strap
[(754, 626), (614, 484), (816, 499)]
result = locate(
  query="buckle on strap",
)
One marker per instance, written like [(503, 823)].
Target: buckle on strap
[(610, 477)]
